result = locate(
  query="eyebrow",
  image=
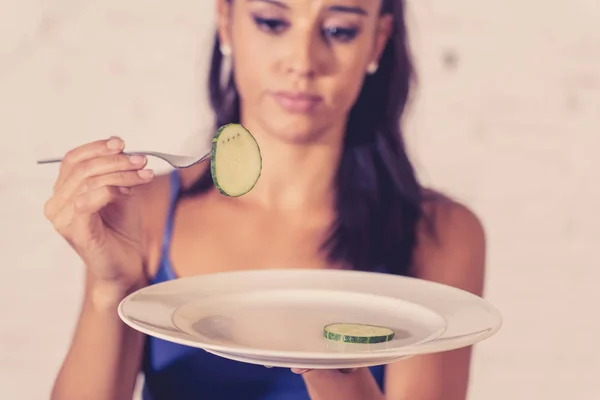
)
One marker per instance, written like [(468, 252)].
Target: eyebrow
[(347, 9), (334, 8), (273, 2)]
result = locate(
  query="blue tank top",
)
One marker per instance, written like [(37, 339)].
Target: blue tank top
[(177, 372)]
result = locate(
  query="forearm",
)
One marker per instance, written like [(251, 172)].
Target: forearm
[(104, 359), (333, 385)]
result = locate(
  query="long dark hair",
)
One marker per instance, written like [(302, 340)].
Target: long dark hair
[(378, 196)]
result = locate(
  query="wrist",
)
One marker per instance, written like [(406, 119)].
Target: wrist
[(107, 296)]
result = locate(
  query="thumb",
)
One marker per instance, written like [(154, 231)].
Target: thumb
[(300, 371)]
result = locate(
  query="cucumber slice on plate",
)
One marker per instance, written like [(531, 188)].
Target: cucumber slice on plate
[(358, 333), (236, 162)]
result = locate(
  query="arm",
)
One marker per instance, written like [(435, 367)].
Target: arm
[(108, 229), (104, 359), (105, 355), (456, 257)]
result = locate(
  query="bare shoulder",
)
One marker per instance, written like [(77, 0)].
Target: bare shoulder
[(154, 203), (452, 246), (155, 196)]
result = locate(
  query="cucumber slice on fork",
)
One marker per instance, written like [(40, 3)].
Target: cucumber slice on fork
[(236, 161)]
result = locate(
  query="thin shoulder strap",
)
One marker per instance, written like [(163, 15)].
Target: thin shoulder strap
[(175, 187)]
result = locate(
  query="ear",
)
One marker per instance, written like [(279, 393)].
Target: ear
[(384, 30), (224, 22)]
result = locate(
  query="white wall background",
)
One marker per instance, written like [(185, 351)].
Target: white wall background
[(512, 129)]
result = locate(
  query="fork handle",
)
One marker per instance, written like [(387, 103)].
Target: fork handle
[(57, 160), (49, 161)]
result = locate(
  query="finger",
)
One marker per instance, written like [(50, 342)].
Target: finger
[(79, 213), (121, 179), (63, 219), (79, 180), (112, 145), (347, 370), (300, 371), (85, 203), (93, 201), (75, 182)]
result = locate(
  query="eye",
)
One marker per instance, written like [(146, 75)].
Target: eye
[(340, 34), (271, 25)]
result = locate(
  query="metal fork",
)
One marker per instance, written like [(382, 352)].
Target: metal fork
[(174, 160)]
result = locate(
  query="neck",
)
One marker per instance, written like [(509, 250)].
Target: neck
[(296, 176)]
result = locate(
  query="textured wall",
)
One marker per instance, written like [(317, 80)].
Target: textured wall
[(507, 119)]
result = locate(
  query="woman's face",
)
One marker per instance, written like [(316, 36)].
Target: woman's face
[(299, 64)]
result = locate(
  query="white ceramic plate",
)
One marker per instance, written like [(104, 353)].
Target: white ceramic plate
[(276, 317)]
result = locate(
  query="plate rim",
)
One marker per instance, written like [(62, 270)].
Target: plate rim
[(436, 344), (306, 363)]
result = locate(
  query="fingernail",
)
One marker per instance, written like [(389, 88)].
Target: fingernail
[(300, 371), (114, 144), (125, 190), (137, 160), (146, 174)]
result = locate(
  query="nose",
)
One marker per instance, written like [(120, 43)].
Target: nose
[(302, 55)]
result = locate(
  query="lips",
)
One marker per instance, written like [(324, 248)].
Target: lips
[(297, 102)]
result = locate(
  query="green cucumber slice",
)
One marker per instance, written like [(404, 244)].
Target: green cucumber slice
[(236, 162), (358, 333)]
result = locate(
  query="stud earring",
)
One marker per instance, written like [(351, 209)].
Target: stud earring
[(225, 50), (372, 68)]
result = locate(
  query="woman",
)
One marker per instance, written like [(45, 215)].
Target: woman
[(322, 85)]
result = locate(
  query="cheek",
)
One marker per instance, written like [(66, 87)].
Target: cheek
[(348, 80), (252, 59)]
